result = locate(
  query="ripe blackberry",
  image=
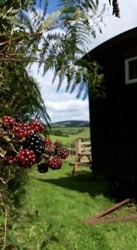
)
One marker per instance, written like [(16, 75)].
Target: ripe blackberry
[(43, 167), (54, 162), (36, 143)]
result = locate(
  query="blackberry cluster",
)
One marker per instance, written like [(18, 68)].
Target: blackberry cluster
[(22, 144), (35, 143)]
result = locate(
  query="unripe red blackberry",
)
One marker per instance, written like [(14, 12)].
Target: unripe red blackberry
[(9, 157), (62, 152), (26, 158), (55, 162), (22, 130), (8, 121), (36, 126), (48, 142)]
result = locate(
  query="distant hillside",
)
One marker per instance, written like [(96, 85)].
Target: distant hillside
[(70, 124)]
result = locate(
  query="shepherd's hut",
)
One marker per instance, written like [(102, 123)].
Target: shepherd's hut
[(114, 118)]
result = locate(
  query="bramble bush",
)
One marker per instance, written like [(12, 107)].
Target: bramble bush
[(22, 146)]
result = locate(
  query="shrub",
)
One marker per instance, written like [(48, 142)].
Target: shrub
[(22, 146)]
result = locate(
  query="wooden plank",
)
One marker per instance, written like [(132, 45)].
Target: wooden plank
[(83, 155), (88, 164)]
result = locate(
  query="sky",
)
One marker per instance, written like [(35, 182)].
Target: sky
[(62, 106)]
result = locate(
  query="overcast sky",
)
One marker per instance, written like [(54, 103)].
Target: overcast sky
[(62, 106)]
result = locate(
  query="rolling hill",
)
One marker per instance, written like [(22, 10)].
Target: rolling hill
[(69, 123)]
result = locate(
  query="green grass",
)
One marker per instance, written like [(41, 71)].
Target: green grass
[(55, 210), (72, 133), (70, 130)]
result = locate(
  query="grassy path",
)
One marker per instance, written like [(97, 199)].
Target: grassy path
[(56, 207)]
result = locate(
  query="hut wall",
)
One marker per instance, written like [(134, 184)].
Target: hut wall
[(114, 120)]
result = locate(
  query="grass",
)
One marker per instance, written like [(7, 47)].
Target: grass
[(55, 210), (73, 134)]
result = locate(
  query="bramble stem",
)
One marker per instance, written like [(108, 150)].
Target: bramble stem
[(5, 228)]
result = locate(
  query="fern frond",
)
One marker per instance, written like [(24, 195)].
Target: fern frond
[(115, 6), (51, 20)]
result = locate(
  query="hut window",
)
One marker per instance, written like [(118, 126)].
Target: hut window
[(131, 70)]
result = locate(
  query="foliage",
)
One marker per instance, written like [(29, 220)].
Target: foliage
[(21, 147), (23, 41), (70, 44), (18, 91), (77, 21), (116, 10), (12, 192), (20, 94)]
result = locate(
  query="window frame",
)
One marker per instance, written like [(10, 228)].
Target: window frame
[(127, 73)]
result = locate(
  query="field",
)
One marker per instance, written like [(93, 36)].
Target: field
[(55, 210), (70, 134), (57, 205)]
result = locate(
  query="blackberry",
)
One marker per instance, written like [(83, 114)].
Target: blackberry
[(22, 130), (35, 143), (62, 152), (36, 126), (9, 157), (43, 167), (54, 162), (26, 158), (48, 142), (8, 121)]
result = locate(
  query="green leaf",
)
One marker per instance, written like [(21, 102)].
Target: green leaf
[(2, 219), (1, 2), (11, 240), (51, 20)]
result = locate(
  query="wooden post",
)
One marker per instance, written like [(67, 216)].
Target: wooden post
[(78, 147)]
